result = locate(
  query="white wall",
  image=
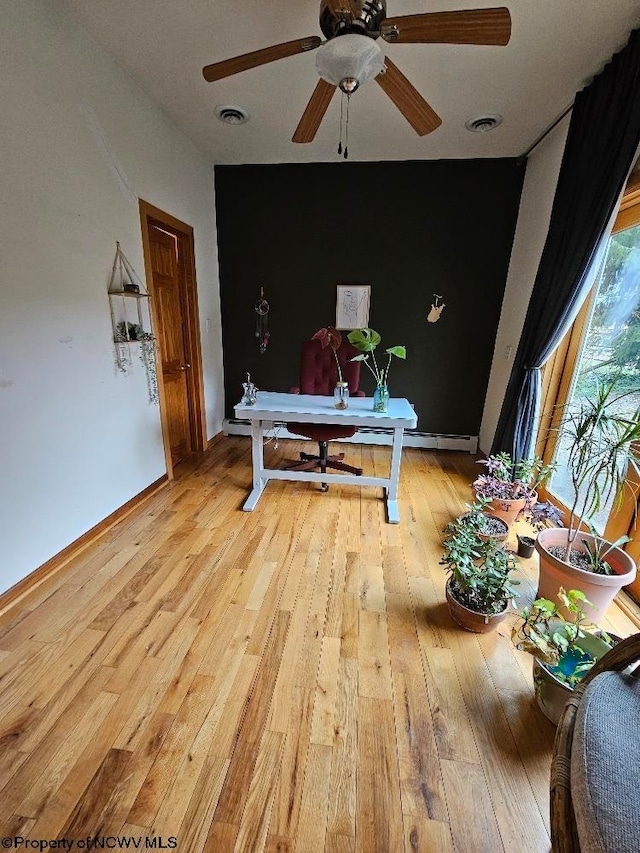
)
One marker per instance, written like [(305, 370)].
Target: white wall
[(79, 144), (536, 201)]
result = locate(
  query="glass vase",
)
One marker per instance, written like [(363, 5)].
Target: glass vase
[(341, 395), (380, 398), (250, 394)]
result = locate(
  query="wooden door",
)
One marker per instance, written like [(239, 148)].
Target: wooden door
[(170, 332)]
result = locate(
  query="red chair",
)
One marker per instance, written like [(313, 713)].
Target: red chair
[(318, 375)]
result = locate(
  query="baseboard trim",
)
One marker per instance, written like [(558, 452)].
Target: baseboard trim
[(368, 435), (217, 438), (37, 577)]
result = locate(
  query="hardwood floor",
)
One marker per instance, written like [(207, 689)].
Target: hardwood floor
[(287, 679)]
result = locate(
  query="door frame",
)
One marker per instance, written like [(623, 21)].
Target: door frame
[(150, 215)]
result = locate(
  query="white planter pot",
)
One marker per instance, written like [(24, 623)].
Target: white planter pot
[(551, 693)]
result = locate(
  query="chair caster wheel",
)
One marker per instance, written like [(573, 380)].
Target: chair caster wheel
[(324, 487)]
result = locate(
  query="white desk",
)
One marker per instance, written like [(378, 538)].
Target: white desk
[(305, 408)]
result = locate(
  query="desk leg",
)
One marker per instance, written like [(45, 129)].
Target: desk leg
[(393, 514), (257, 457)]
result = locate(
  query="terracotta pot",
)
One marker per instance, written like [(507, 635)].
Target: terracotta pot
[(507, 510), (599, 589), (500, 537), (551, 693), (471, 620)]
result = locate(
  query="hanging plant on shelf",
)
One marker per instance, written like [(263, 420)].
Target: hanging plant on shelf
[(128, 332), (125, 287), (148, 359), (122, 359)]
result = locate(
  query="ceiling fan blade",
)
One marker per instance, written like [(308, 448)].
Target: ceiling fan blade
[(314, 112), (471, 26), (259, 57), (408, 100)]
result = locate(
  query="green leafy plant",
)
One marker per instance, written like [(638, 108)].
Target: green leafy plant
[(366, 341), (479, 568), (148, 359), (126, 332), (129, 331), (599, 550), (552, 638), (478, 517), (603, 451)]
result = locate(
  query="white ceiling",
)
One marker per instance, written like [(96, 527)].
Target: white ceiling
[(556, 47)]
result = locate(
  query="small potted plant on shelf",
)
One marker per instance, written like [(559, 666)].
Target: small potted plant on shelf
[(479, 587), (134, 333), (538, 516), (366, 341), (563, 651), (602, 460), (511, 487)]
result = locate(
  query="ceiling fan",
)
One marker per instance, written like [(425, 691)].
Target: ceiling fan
[(350, 55)]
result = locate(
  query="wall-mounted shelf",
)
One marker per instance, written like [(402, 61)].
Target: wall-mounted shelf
[(125, 285), (129, 294), (131, 325), (126, 324)]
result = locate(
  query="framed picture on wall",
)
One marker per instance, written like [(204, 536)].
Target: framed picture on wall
[(352, 306)]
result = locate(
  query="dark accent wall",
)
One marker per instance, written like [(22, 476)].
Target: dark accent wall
[(409, 229)]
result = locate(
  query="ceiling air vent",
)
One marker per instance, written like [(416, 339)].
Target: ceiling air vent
[(231, 114), (483, 123)]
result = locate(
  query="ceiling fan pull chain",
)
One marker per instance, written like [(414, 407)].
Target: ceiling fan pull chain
[(346, 133), (341, 106)]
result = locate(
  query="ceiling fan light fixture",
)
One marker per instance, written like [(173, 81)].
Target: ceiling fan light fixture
[(348, 85), (349, 61)]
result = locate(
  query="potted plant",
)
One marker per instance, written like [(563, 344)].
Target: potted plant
[(602, 457), (366, 341), (485, 524), (134, 333), (330, 337), (539, 515), (511, 487), (563, 652), (479, 587)]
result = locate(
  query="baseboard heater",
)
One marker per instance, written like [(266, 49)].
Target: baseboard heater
[(371, 435)]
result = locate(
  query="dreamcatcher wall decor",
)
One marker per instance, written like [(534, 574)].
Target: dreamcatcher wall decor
[(262, 322)]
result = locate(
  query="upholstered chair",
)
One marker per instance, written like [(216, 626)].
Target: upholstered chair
[(318, 375), (595, 806)]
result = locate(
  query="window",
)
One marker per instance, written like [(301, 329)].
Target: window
[(603, 343)]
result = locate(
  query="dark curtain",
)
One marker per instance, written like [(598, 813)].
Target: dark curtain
[(603, 139)]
